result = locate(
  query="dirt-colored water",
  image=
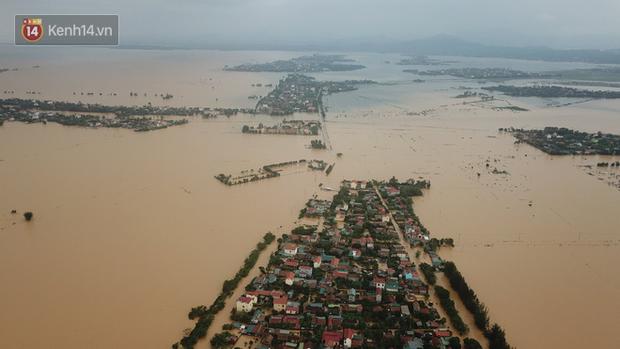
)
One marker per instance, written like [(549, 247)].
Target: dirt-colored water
[(132, 230)]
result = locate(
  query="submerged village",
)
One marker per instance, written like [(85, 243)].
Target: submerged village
[(362, 270), (354, 278)]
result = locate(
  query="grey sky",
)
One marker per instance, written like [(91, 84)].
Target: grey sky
[(557, 23)]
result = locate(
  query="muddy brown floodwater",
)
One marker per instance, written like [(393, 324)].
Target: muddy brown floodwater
[(131, 230)]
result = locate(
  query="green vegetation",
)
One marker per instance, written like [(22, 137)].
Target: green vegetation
[(136, 118), (429, 273), (222, 339), (317, 144), (421, 60), (205, 315), (455, 343), (301, 93), (481, 73), (594, 74), (434, 244), (304, 64), (468, 296), (511, 108), (450, 308), (28, 216), (551, 91), (564, 141), (470, 343), (495, 334), (497, 338), (411, 187)]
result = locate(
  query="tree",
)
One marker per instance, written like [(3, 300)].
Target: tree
[(470, 343), (28, 215), (497, 338), (455, 343), (429, 273), (221, 339)]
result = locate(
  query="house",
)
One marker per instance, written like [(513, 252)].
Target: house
[(292, 308), (293, 321), (369, 242), (416, 343), (379, 282), (316, 261), (291, 262), (392, 285), (352, 293), (289, 278), (334, 262), (340, 216), (334, 321), (443, 333), (352, 339), (358, 184), (313, 308), (305, 271), (319, 321), (404, 310), (410, 274), (331, 339), (246, 303), (340, 273), (290, 249), (279, 303), (391, 191), (355, 253)]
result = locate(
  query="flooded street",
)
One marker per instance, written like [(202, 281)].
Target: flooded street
[(131, 230)]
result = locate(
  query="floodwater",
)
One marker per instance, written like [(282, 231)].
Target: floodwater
[(131, 230)]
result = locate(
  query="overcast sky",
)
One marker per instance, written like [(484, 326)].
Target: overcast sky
[(556, 23)]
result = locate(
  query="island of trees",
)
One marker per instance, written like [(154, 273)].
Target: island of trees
[(304, 64), (137, 118), (421, 60), (317, 144), (481, 73), (552, 91), (286, 127), (564, 141)]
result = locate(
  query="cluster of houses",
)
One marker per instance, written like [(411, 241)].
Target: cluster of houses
[(301, 93), (350, 285), (316, 208), (286, 127)]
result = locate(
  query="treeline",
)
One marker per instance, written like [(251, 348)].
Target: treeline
[(495, 334), (470, 343), (317, 144), (205, 315), (411, 187), (118, 110), (429, 273), (434, 244), (450, 308)]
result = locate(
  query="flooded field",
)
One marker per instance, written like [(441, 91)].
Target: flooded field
[(132, 230)]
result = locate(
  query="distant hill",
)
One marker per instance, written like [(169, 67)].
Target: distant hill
[(442, 45), (452, 46)]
